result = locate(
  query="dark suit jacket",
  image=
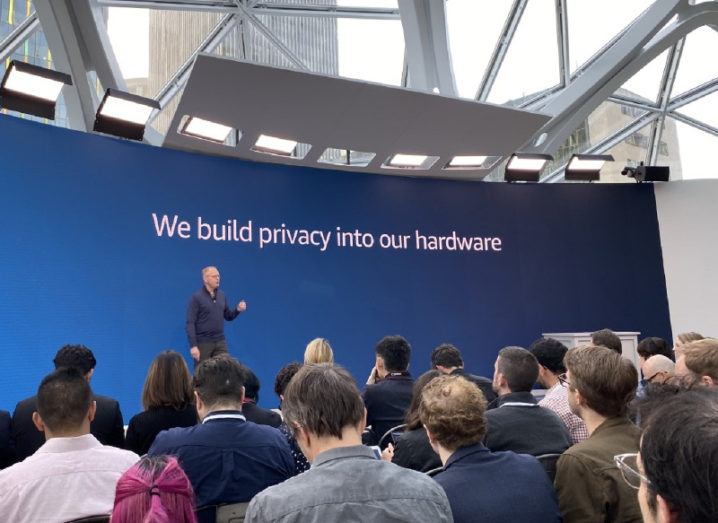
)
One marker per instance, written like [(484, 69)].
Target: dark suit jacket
[(261, 416), (107, 426), (144, 426), (7, 450), (520, 425), (485, 384), (386, 403)]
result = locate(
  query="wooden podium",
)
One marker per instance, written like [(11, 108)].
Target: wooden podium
[(629, 340)]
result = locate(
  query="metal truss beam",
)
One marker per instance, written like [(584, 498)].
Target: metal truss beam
[(562, 35), (693, 95), (633, 103), (664, 94), (695, 123), (502, 46), (18, 36), (427, 45)]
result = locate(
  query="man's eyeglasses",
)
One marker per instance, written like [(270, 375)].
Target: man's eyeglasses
[(649, 380), (563, 380), (628, 465)]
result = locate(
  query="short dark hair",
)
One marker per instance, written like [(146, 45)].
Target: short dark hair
[(519, 367), (679, 450), (284, 376), (323, 399), (77, 356), (446, 355), (550, 354), (651, 346), (219, 380), (607, 338), (251, 384), (605, 379), (452, 408), (63, 399), (396, 353)]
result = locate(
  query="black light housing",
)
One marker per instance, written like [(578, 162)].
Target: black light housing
[(124, 114), (647, 173), (30, 89), (586, 167), (525, 167)]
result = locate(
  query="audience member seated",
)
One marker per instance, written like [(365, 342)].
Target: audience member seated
[(346, 482), (154, 490), (683, 339), (607, 338), (601, 383), (698, 364), (107, 425), (7, 449), (388, 391), (676, 472), (283, 378), (447, 359), (72, 475), (167, 399), (658, 369), (550, 353), (481, 485), (318, 351), (252, 412), (651, 346), (518, 423), (226, 459), (413, 450)]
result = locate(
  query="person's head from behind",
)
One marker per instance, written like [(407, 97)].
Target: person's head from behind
[(699, 363), (323, 408), (413, 421), (65, 405), (452, 410), (318, 351), (445, 358), (515, 370), (154, 490), (550, 354), (683, 339), (393, 354), (658, 369), (77, 356), (168, 382), (218, 385), (679, 459), (607, 338), (251, 385), (284, 376), (600, 381), (651, 346)]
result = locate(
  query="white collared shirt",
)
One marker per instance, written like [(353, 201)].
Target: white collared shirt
[(67, 478)]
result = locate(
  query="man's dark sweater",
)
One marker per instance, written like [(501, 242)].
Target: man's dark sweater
[(206, 315)]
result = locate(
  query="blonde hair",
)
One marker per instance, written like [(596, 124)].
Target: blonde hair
[(318, 351)]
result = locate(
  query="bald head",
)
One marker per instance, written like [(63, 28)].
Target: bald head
[(658, 369)]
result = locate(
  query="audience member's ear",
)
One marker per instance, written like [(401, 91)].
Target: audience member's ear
[(707, 381), (199, 404), (362, 423), (89, 374), (432, 441), (665, 514), (92, 411), (37, 420), (242, 399)]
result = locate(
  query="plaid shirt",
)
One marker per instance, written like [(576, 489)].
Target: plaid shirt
[(556, 399)]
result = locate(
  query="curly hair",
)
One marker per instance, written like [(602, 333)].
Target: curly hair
[(452, 409)]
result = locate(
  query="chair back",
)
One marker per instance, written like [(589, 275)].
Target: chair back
[(549, 464), (433, 472), (233, 513), (391, 435), (97, 518)]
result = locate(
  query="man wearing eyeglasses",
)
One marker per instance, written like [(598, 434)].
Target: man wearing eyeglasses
[(676, 473), (658, 369), (600, 384)]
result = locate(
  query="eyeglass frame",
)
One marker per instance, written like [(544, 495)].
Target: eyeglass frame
[(620, 461), (562, 379)]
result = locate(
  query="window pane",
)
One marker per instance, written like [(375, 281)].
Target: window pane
[(704, 109), (646, 83), (371, 50), (695, 152), (631, 151), (694, 69)]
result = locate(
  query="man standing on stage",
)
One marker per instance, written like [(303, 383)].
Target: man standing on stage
[(206, 313)]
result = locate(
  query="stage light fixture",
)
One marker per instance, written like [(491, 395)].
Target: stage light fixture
[(647, 173), (274, 145), (124, 114), (205, 129), (585, 167), (409, 161), (30, 89), (525, 167), (466, 162)]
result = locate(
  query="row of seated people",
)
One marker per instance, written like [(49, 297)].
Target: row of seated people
[(229, 460)]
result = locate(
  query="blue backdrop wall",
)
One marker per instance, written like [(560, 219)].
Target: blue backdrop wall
[(83, 261)]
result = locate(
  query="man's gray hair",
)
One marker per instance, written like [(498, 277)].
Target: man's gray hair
[(209, 268)]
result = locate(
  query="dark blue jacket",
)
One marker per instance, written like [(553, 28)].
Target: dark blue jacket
[(386, 403), (227, 459), (206, 315), (497, 487)]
